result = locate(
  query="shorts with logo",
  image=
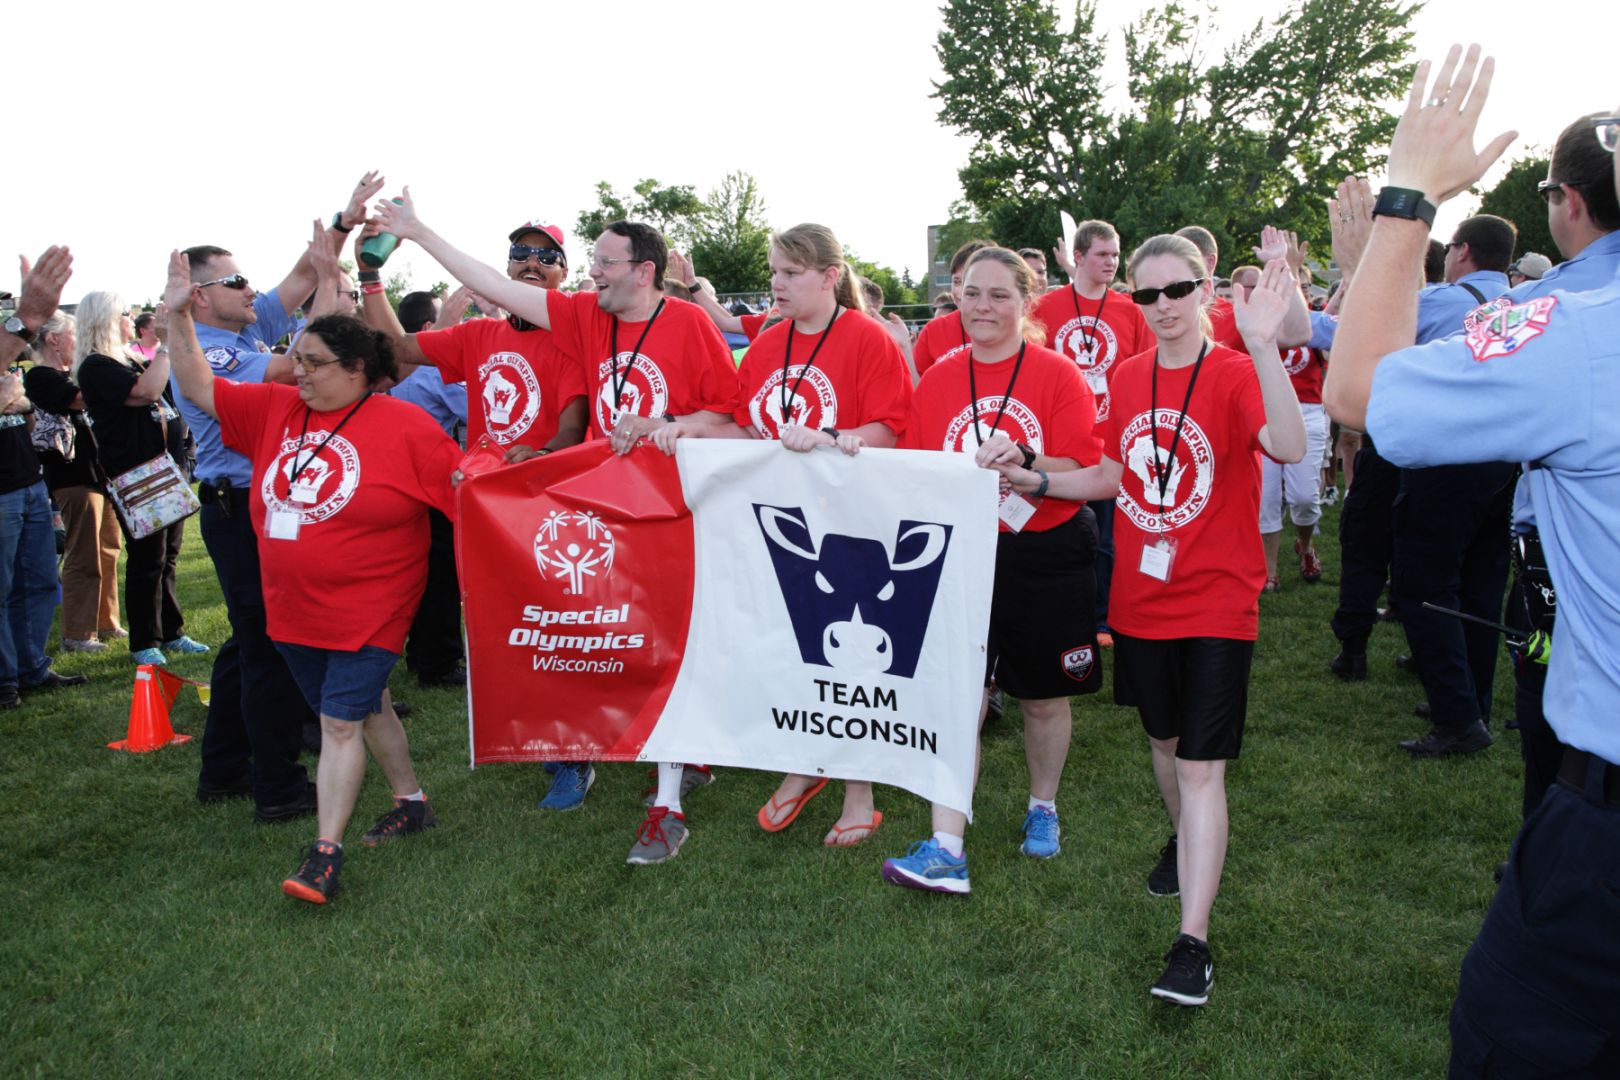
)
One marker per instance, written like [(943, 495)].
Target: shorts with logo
[(342, 684), (1043, 625), (1194, 689)]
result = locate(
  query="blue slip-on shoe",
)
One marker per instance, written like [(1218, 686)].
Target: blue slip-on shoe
[(569, 785), (185, 646), (1041, 833), (149, 656), (928, 866)]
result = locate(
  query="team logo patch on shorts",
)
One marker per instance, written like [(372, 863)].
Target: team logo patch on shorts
[(1501, 327), (1077, 663)]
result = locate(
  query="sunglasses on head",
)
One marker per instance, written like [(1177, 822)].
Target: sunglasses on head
[(547, 256), (1175, 291), (235, 281)]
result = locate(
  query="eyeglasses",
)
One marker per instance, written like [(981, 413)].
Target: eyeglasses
[(309, 366), (547, 256), (235, 281), (352, 294), (1174, 291), (1608, 131), (602, 264)]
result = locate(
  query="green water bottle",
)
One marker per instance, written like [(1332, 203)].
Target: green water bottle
[(374, 250)]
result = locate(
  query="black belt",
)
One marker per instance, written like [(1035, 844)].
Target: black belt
[(221, 492), (1577, 767)]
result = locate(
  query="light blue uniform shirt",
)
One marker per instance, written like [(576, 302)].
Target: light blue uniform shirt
[(445, 402), (240, 358), (1440, 308), (1540, 382)]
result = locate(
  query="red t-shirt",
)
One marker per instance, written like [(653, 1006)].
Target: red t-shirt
[(355, 572), (1095, 334), (518, 381), (1211, 502), (1223, 326), (859, 378), (683, 366), (940, 338), (1305, 368), (1050, 410), (752, 324)]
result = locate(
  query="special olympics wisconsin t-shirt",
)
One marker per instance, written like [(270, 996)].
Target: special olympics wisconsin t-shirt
[(518, 381), (859, 377), (1095, 334), (940, 337)]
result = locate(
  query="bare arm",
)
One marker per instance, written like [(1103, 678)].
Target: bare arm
[(1432, 152), (1296, 325), (301, 279), (1093, 483), (684, 272), (1258, 319), (191, 368), (324, 260), (149, 387)]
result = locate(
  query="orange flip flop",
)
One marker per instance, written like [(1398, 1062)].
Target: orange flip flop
[(835, 838), (796, 804)]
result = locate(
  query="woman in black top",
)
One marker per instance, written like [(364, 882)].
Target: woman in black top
[(67, 451), (133, 423)]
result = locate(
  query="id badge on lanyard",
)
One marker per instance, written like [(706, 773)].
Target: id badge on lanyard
[(1016, 510), (282, 524), (1158, 557), (1096, 379)]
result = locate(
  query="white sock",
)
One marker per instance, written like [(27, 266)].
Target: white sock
[(415, 796), (1049, 804), (669, 785), (950, 842)]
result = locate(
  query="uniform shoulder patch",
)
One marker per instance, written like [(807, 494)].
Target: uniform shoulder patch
[(222, 358), (1502, 328)]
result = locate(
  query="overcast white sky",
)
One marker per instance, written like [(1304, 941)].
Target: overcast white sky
[(498, 112)]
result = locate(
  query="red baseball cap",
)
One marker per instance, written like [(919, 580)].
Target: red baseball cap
[(536, 225)]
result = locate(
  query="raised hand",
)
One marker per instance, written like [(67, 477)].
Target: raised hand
[(1433, 148), (42, 285), (355, 212), (398, 218), (178, 289), (1260, 315), (1273, 245), (681, 269), (1350, 215), (322, 252)]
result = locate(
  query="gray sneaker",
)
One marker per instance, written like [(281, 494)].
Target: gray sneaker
[(659, 839), (692, 778), (83, 645)]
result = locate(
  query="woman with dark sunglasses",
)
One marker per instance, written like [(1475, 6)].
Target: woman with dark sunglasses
[(1181, 448)]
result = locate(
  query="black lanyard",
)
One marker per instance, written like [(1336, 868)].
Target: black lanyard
[(1090, 339), (298, 466), (617, 379), (787, 357), (1153, 424), (973, 393)]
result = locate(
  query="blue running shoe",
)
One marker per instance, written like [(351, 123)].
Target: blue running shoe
[(149, 656), (928, 866), (568, 787), (185, 645), (1041, 833)]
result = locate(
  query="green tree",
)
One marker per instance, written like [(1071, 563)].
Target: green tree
[(1514, 197), (895, 288), (1258, 136), (732, 242), (672, 210)]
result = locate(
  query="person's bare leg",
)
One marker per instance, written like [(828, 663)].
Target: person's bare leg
[(338, 777), (792, 786), (1201, 844), (1048, 726), (385, 735), (858, 811), (1164, 774), (1272, 542)]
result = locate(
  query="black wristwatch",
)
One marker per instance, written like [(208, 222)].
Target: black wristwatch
[(1406, 203), (832, 431), (337, 223), (1029, 456), (16, 328)]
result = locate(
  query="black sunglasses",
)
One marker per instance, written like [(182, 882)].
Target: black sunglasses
[(1175, 291), (547, 256), (235, 281)]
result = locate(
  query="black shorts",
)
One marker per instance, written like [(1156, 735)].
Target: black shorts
[(1195, 690), (1043, 620)]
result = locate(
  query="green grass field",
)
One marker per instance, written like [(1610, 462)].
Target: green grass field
[(146, 936)]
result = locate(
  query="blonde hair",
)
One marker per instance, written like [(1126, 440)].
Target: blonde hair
[(816, 247), (100, 321), (1175, 246), (59, 322), (1023, 278)]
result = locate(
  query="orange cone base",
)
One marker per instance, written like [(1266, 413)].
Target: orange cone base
[(129, 747), (149, 727)]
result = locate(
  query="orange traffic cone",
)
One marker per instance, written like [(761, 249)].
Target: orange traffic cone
[(149, 727)]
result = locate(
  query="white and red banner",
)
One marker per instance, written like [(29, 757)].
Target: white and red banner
[(739, 604)]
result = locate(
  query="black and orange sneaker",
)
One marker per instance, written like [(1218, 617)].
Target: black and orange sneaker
[(407, 816), (316, 879)]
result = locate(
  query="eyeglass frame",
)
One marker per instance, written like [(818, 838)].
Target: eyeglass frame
[(309, 367), (240, 280), (1191, 287), (1607, 130), (530, 251)]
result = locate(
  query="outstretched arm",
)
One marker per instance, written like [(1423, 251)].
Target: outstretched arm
[(683, 271), (301, 279), (1279, 244), (191, 368), (1259, 319)]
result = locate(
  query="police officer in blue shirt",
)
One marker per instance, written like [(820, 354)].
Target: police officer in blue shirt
[(1537, 380), (256, 714)]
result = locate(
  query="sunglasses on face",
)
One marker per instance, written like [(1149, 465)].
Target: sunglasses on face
[(235, 281), (352, 294), (1174, 291), (547, 256)]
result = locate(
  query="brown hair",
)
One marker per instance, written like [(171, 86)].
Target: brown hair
[(816, 247), (1023, 278)]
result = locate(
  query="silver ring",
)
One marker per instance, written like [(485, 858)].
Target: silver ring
[(1435, 103), (1346, 218)]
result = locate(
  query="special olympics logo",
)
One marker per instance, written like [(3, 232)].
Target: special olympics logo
[(511, 396), (642, 392), (813, 403), (1297, 360), (1071, 340), (1018, 424), (572, 545), (312, 493), (1147, 460)]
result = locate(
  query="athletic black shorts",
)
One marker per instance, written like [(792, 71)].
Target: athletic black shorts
[(1192, 689), (1043, 619)]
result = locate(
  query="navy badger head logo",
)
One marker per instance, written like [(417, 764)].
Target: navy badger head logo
[(853, 608)]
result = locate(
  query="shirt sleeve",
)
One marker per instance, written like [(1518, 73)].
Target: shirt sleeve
[(50, 389), (1074, 417), (242, 408), (105, 382), (885, 384), (752, 325), (1323, 329), (274, 321), (448, 349), (716, 388)]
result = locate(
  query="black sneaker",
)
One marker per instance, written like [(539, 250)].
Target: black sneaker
[(1163, 881), (1438, 743), (408, 816), (1189, 972), (1351, 667), (316, 879), (303, 805)]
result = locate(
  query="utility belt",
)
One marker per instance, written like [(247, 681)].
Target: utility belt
[(1535, 580), (1589, 775), (230, 499)]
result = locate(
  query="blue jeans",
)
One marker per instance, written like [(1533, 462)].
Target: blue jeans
[(28, 584)]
